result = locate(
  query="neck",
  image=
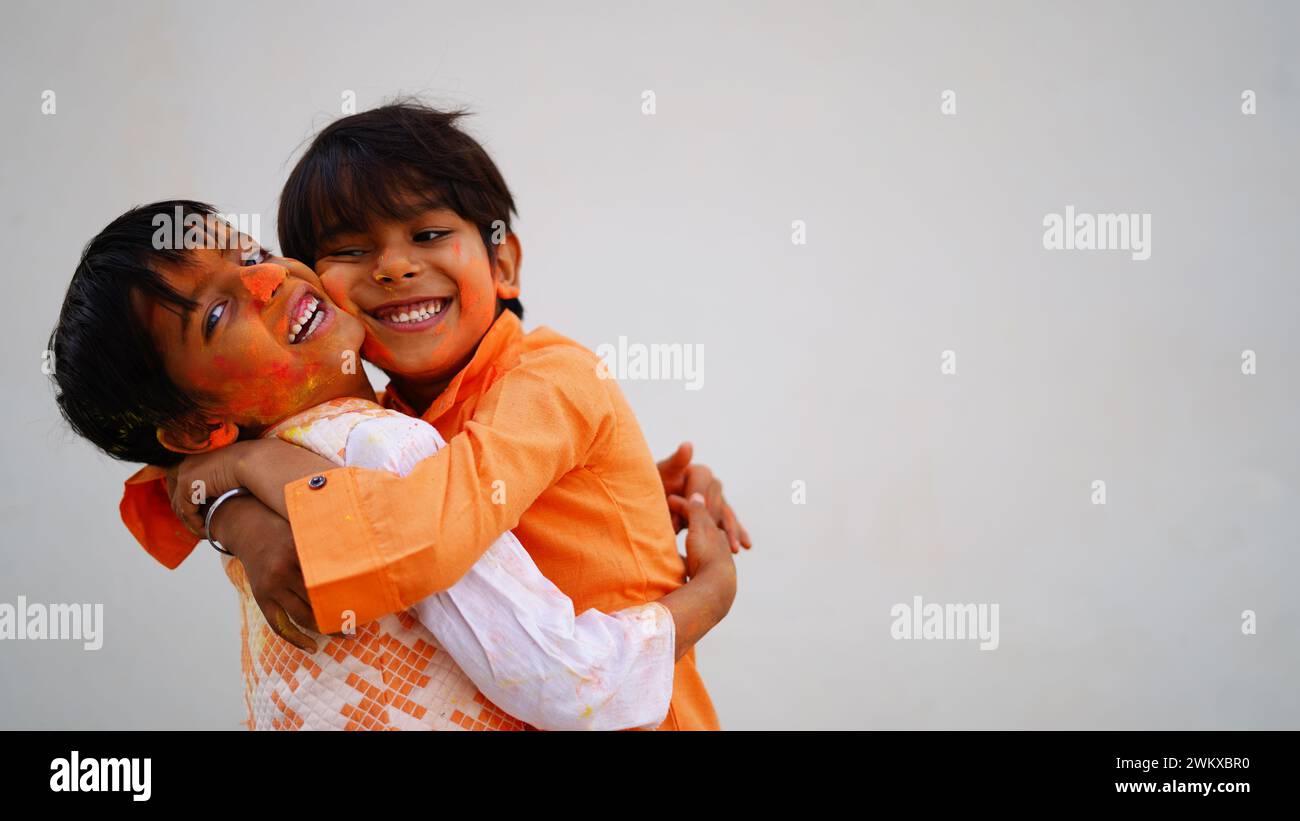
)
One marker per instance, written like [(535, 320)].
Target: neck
[(354, 386), (351, 387), (419, 393)]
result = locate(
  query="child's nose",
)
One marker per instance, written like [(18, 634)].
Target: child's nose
[(392, 268), (262, 281)]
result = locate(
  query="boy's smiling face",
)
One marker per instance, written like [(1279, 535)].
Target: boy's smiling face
[(425, 288), (263, 342)]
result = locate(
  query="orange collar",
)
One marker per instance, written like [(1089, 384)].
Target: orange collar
[(505, 333)]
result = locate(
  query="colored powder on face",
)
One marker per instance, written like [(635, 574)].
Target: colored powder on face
[(262, 280), (468, 298), (375, 351)]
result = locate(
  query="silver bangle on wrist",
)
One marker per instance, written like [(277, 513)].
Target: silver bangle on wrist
[(212, 510)]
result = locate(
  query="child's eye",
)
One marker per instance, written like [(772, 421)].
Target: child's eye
[(346, 252), (431, 234), (213, 317)]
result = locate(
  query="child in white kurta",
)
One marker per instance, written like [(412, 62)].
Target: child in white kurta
[(500, 649)]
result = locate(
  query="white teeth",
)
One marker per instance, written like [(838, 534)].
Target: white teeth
[(413, 313), (309, 307), (315, 323)]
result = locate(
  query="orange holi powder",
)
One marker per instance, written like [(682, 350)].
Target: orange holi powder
[(262, 280)]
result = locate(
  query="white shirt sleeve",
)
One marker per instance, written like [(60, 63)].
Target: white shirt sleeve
[(514, 633)]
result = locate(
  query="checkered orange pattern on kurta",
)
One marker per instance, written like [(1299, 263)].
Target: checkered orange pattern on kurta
[(391, 675)]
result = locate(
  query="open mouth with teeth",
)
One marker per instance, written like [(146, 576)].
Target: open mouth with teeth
[(307, 319), (412, 316)]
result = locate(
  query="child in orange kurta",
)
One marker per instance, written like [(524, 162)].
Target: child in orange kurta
[(400, 213)]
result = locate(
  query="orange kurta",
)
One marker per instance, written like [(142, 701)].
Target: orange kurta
[(539, 443)]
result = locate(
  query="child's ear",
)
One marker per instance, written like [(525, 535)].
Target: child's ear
[(200, 438), (509, 257)]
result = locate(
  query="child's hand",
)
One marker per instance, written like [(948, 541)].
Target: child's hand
[(198, 480), (263, 466), (263, 542), (681, 478), (706, 598), (708, 548)]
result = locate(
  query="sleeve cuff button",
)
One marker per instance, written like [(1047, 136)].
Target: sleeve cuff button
[(316, 482)]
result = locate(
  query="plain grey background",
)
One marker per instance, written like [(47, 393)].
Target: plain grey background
[(822, 360)]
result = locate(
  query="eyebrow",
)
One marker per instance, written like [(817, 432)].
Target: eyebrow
[(333, 232), (184, 315)]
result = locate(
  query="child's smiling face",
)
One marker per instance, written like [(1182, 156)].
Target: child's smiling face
[(263, 342), (425, 287)]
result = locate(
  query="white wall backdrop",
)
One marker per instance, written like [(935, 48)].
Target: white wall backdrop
[(822, 360)]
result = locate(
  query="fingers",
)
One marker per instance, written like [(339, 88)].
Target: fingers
[(732, 527), (678, 506), (672, 471), (680, 459), (291, 589), (299, 610), (694, 510), (296, 586), (283, 626), (189, 514), (194, 521), (715, 503), (679, 524), (190, 517), (701, 479), (745, 541), (698, 480)]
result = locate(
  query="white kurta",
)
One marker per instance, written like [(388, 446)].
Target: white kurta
[(502, 642)]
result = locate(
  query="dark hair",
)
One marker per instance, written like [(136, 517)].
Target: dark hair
[(109, 379), (369, 164)]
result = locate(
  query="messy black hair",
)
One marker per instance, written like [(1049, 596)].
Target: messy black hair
[(110, 383), (392, 161)]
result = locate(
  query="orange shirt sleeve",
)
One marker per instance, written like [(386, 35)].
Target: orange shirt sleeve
[(372, 543), (146, 511)]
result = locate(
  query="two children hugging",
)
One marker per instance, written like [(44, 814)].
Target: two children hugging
[(560, 604)]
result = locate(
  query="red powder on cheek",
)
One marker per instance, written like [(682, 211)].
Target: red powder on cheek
[(375, 351), (262, 280), (468, 299), (337, 293)]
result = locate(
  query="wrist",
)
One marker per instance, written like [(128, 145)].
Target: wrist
[(720, 579), (719, 566), (225, 522), (242, 457)]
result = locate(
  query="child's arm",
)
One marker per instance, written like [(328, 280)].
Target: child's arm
[(372, 543), (705, 600), (515, 635)]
